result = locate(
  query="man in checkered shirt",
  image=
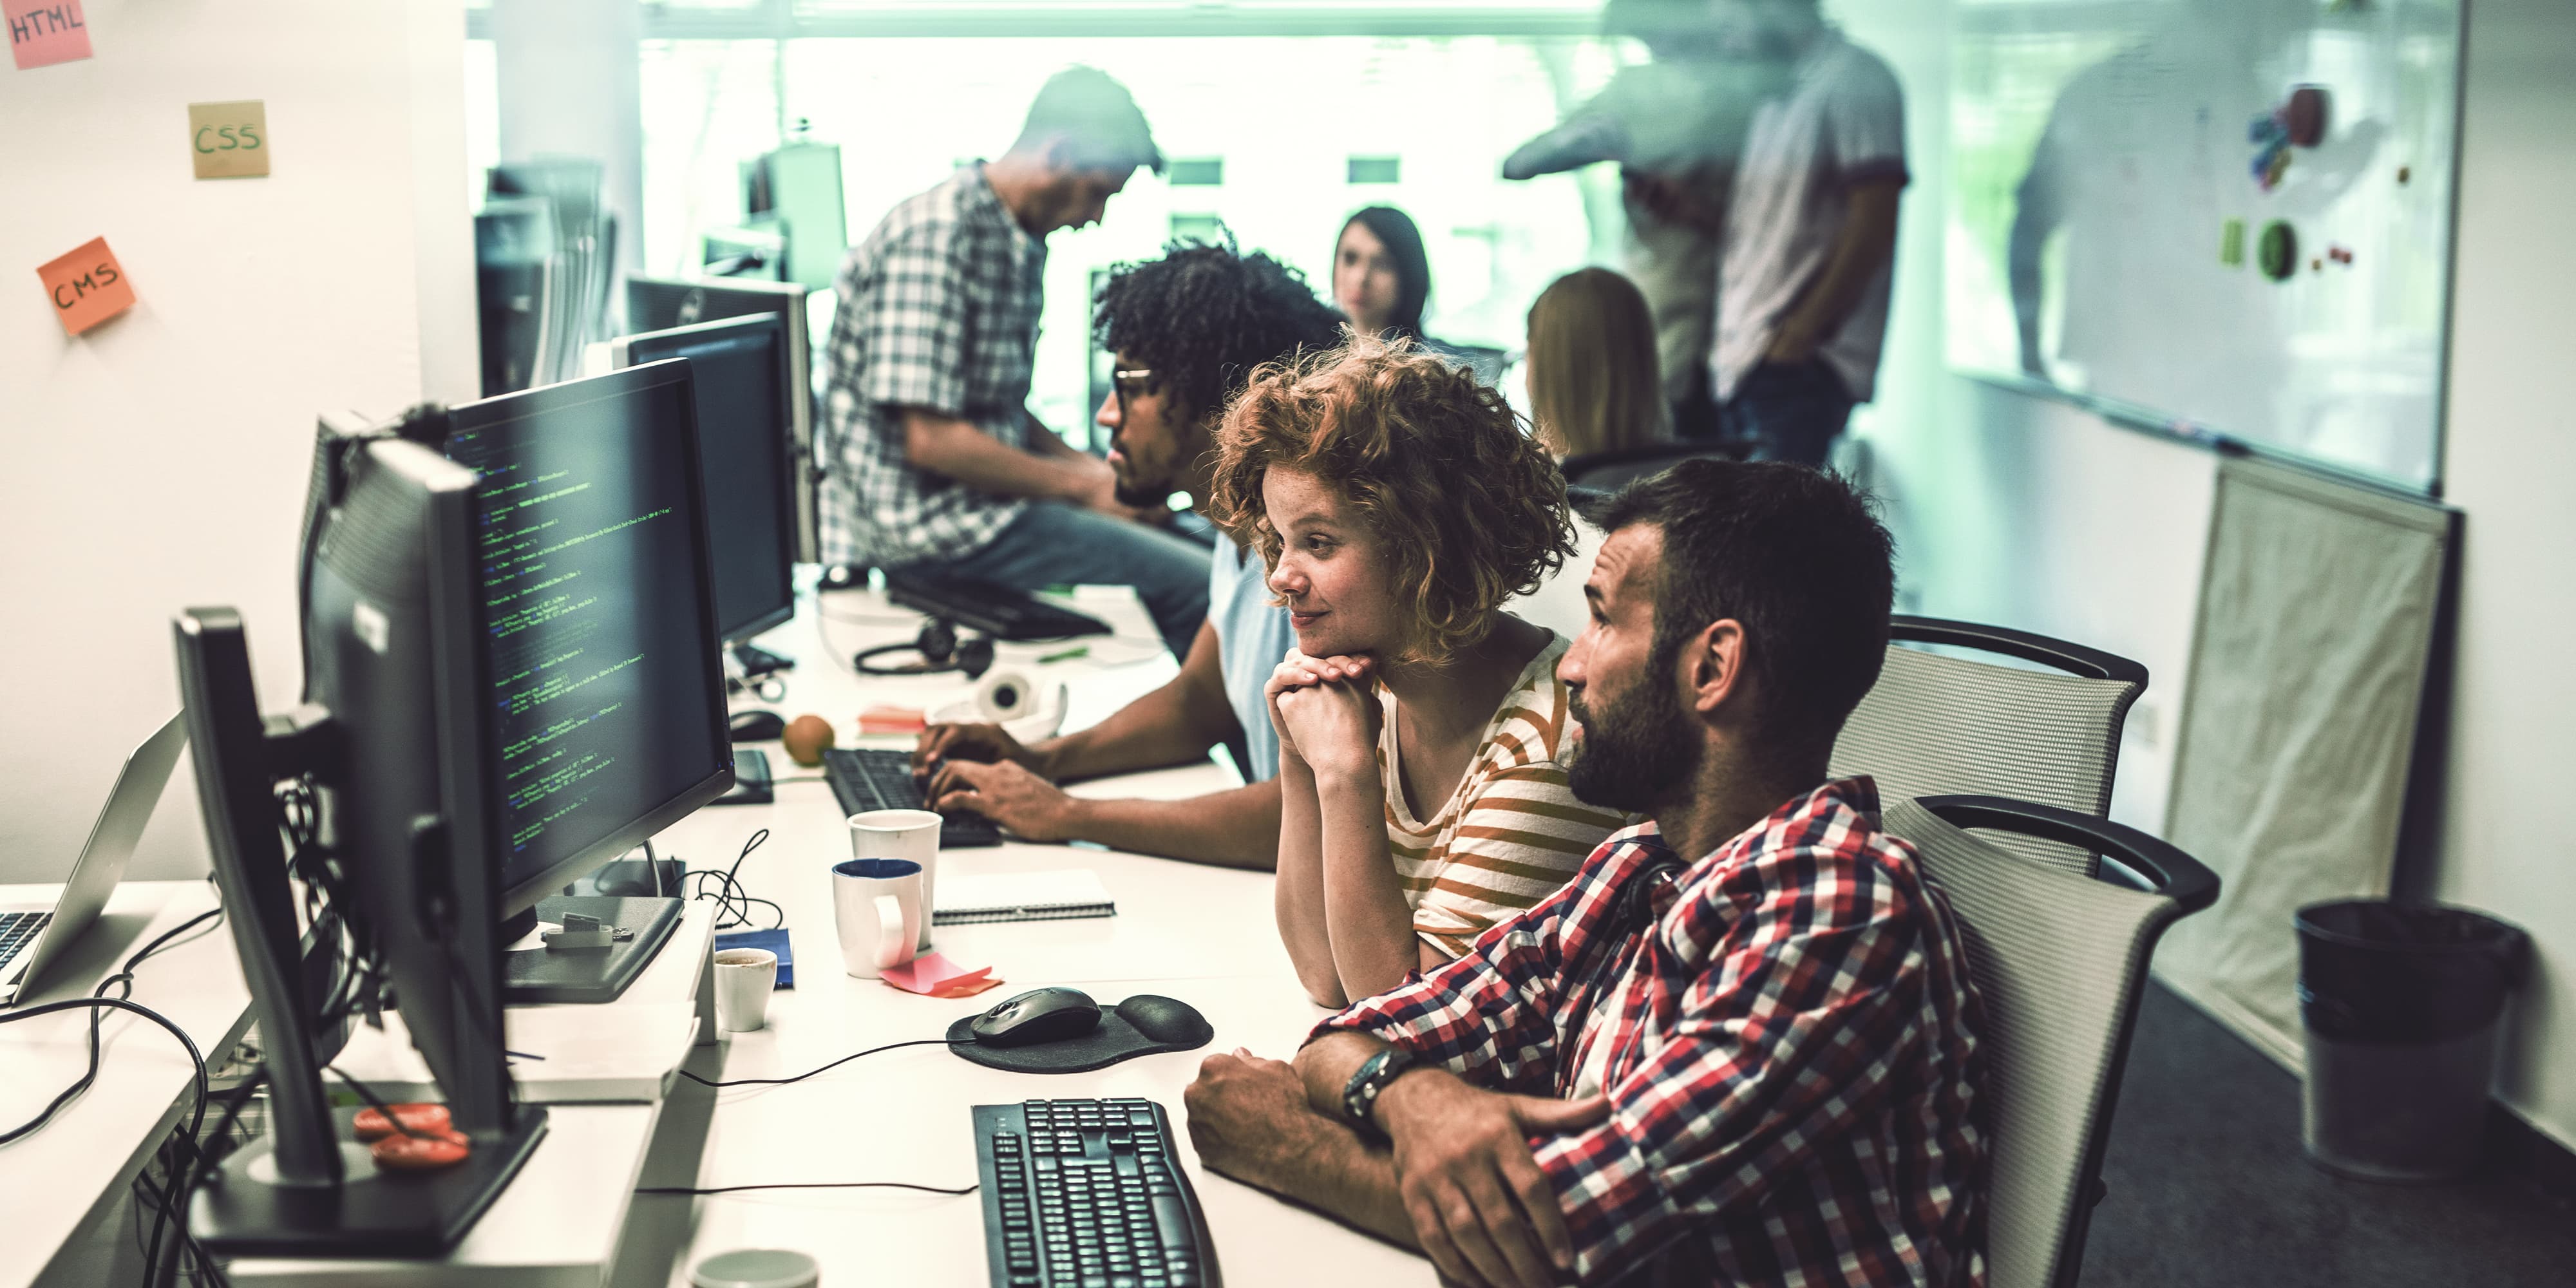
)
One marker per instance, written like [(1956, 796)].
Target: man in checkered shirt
[(1740, 1046), (933, 461)]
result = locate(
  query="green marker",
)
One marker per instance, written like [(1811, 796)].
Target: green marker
[(1066, 655), (2231, 243)]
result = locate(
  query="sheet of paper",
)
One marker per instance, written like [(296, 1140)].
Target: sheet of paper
[(934, 974), (228, 140), (45, 32), (87, 287)]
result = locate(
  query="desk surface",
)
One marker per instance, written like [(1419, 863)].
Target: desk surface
[(1202, 934), (53, 1183)]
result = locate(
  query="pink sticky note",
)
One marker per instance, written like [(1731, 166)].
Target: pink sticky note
[(45, 32), (924, 974)]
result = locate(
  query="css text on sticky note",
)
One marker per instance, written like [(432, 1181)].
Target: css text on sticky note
[(87, 287), (228, 140), (45, 32)]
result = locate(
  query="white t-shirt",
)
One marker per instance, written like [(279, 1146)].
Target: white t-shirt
[(1842, 122)]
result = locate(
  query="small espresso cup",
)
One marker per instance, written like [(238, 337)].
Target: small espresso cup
[(745, 977), (877, 905), (903, 834)]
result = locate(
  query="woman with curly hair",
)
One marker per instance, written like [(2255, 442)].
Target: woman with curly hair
[(1397, 505)]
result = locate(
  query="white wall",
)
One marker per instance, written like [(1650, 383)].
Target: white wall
[(2016, 510), (2512, 467), (159, 461)]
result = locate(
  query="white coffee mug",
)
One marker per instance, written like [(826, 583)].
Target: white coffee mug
[(911, 834), (745, 977), (877, 905)]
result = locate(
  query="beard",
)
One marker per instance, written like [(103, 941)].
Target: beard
[(1141, 495), (1636, 752)]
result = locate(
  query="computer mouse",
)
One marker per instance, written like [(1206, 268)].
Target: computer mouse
[(756, 724), (844, 576), (1039, 1015), (1168, 1020)]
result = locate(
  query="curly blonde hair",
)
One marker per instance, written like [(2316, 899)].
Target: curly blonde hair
[(1471, 511)]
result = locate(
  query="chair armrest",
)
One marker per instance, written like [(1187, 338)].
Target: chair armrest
[(2153, 865), (2075, 659)]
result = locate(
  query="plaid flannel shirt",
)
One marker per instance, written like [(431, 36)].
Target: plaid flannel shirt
[(938, 310), (1793, 1075)]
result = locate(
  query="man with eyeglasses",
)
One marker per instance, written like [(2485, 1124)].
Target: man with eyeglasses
[(934, 462), (1186, 332)]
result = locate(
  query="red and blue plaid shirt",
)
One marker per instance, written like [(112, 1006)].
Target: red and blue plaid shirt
[(1793, 1071)]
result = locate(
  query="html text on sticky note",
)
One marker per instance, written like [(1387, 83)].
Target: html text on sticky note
[(45, 32)]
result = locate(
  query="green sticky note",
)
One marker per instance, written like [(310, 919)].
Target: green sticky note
[(2231, 243)]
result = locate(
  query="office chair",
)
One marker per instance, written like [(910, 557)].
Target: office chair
[(1940, 724), (2059, 961), (1609, 471)]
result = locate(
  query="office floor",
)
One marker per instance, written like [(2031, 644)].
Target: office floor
[(2208, 1187)]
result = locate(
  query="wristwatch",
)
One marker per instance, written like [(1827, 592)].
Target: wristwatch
[(1359, 1095)]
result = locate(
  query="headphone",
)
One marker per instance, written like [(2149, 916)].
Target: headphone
[(940, 650)]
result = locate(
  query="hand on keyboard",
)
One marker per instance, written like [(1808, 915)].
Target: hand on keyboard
[(984, 743), (1007, 793)]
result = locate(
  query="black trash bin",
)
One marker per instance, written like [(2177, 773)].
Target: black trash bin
[(2401, 1004)]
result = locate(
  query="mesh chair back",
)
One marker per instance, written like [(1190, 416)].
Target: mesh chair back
[(2059, 961), (1941, 725)]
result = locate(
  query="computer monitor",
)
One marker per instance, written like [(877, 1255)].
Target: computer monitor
[(745, 386), (662, 303), (392, 696), (605, 708), (800, 185)]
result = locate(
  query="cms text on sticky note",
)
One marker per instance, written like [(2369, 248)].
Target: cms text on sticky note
[(87, 287), (45, 32), (228, 140)]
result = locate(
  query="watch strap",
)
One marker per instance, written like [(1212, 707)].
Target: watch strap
[(1375, 1074)]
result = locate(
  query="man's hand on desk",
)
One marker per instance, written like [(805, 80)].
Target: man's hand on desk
[(990, 743), (1460, 1185), (1006, 792), (1462, 1161)]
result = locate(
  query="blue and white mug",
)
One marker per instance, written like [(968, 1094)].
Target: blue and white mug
[(877, 906)]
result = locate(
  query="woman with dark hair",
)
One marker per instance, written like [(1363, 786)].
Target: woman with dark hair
[(1381, 277)]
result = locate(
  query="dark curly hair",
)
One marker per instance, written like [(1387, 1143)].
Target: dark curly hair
[(1203, 316), (1471, 511)]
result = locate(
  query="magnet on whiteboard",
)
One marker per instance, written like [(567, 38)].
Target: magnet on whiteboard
[(2276, 252), (2306, 115)]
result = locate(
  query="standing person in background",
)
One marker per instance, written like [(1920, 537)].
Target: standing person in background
[(1805, 263), (1594, 384), (1676, 126), (934, 462)]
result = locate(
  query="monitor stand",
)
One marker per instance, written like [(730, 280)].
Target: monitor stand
[(241, 1210), (756, 661), (585, 974)]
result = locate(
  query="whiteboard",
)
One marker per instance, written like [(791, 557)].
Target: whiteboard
[(2107, 226)]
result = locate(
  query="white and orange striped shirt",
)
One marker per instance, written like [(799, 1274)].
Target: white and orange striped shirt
[(1512, 834)]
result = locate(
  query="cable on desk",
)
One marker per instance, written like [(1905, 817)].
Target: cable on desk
[(805, 1185), (733, 901), (780, 1082)]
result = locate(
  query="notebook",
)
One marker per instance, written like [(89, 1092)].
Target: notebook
[(1058, 895)]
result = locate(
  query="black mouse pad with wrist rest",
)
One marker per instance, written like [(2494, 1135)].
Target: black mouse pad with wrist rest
[(1141, 1025)]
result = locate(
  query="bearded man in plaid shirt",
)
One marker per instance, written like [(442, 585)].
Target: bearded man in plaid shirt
[(1740, 1047), (932, 460)]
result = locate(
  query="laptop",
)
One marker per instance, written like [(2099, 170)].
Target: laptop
[(30, 937)]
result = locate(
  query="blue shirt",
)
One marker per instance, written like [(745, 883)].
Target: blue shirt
[(1252, 635)]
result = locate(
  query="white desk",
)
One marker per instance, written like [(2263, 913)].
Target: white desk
[(1202, 934), (58, 1181)]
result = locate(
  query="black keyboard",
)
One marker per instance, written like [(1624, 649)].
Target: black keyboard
[(1088, 1194), (867, 778), (996, 610)]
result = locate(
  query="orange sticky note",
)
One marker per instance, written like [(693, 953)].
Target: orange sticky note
[(87, 287), (45, 32)]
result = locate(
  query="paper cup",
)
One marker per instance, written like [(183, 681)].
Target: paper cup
[(745, 977), (911, 834)]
